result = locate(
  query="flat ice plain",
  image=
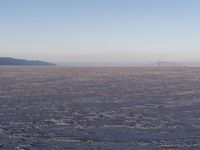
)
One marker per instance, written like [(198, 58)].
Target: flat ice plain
[(138, 108)]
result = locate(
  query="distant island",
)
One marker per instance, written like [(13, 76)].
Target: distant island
[(14, 61), (168, 64)]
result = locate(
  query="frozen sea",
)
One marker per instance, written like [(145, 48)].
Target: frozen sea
[(99, 108)]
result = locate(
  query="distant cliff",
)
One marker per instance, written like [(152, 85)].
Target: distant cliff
[(14, 61)]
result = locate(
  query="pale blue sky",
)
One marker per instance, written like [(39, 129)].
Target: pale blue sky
[(100, 30)]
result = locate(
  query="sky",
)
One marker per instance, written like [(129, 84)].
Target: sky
[(101, 31)]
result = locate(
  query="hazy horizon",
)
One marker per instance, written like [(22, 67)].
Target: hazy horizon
[(116, 64), (92, 31)]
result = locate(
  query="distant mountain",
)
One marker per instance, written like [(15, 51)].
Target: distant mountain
[(168, 64), (14, 61)]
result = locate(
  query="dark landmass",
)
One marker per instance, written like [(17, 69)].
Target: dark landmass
[(14, 61), (141, 108)]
